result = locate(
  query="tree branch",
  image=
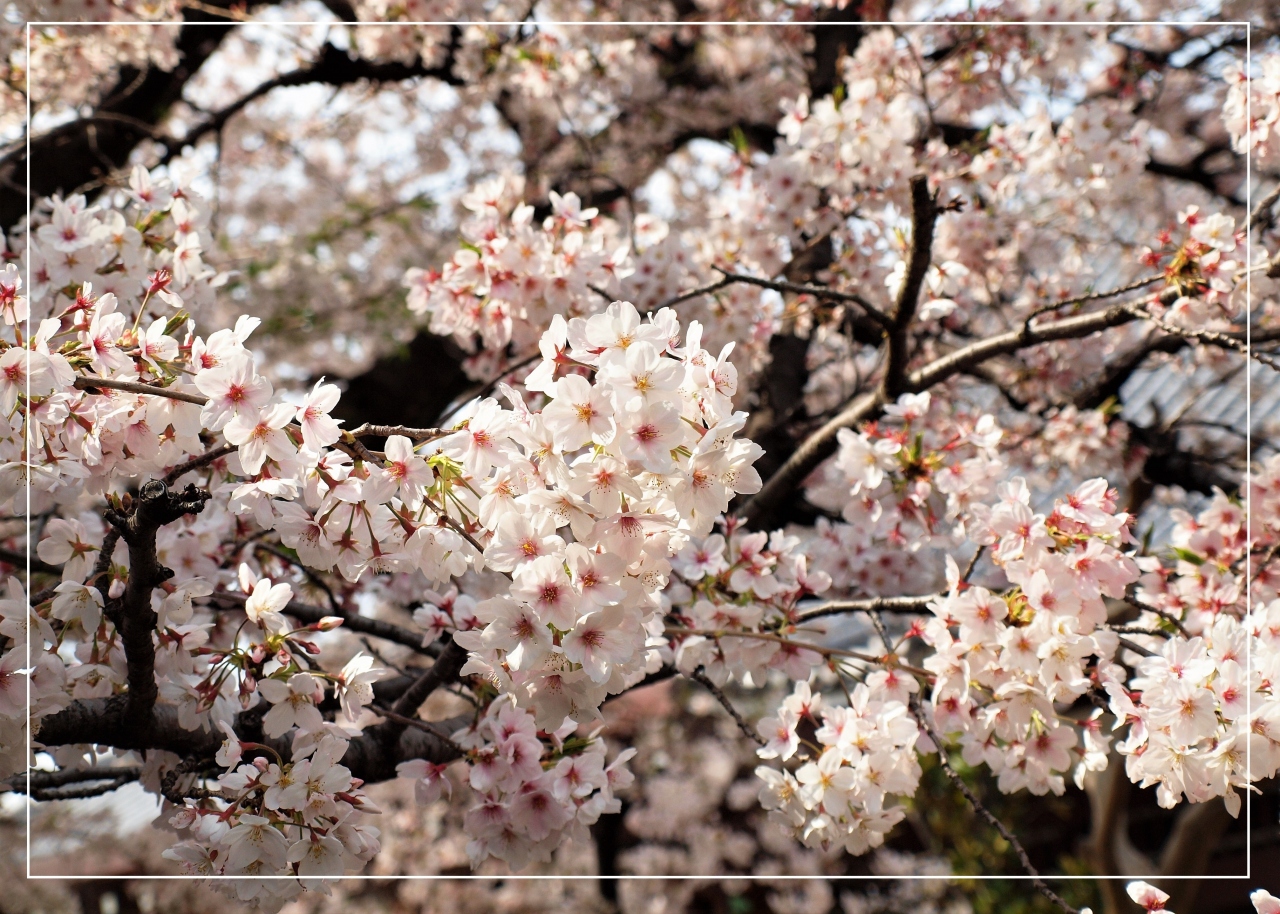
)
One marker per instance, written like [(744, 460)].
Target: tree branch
[(212, 455), (812, 451), (97, 385), (700, 677), (386, 431), (103, 721), (19, 560), (873, 604), (45, 784), (924, 216), (442, 672), (132, 615), (334, 67), (799, 288)]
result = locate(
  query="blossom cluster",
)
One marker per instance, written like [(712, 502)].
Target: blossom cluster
[(533, 790), (583, 502), (302, 818), (865, 756), (511, 274), (1201, 711)]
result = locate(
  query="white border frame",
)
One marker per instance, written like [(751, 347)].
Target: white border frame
[(1248, 875)]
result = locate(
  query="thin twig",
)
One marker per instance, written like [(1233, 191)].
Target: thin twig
[(816, 291), (973, 563), (1093, 296), (491, 384), (995, 823), (1266, 560), (694, 293), (1136, 648), (716, 635), (1137, 604), (423, 725), (701, 677), (1212, 337), (91, 383), (304, 612)]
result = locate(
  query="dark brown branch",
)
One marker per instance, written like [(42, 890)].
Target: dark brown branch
[(42, 782), (803, 289), (695, 293), (86, 150), (812, 451), (423, 725), (103, 721), (100, 577), (195, 463), (19, 560), (1095, 296), (444, 671), (701, 677), (96, 789), (924, 216), (1262, 217), (95, 385), (1205, 337), (1004, 343), (334, 67), (133, 616), (822, 443), (487, 387), (1197, 172)]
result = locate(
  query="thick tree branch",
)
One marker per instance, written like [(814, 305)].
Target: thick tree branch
[(1028, 334), (908, 605), (812, 451), (48, 782), (444, 671), (822, 443), (133, 616), (104, 722), (77, 153), (924, 216), (334, 67)]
